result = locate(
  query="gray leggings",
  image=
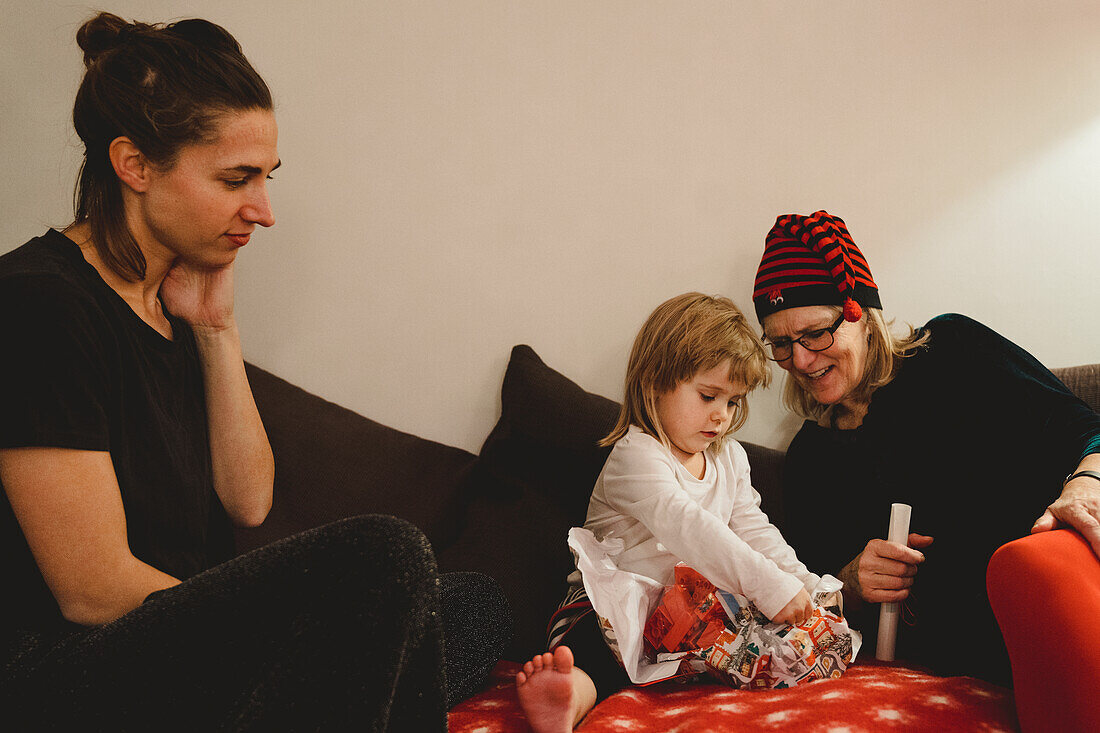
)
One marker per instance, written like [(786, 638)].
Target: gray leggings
[(344, 627)]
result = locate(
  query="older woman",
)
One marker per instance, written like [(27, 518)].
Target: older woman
[(129, 440), (953, 419)]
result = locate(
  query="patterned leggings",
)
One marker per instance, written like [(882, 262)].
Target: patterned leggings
[(575, 625), (338, 628)]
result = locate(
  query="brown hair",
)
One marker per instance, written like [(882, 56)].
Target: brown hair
[(683, 336), (161, 86), (885, 353)]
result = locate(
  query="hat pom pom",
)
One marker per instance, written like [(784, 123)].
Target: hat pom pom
[(852, 311)]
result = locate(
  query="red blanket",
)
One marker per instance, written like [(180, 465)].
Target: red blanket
[(869, 697)]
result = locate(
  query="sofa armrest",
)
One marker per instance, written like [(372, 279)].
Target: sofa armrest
[(1083, 381), (1045, 592)]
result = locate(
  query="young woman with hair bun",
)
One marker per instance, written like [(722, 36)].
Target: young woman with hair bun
[(129, 440)]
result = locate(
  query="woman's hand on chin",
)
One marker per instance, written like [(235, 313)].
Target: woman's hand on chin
[(884, 571), (202, 297)]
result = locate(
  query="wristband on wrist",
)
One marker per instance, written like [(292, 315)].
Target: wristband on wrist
[(1090, 474)]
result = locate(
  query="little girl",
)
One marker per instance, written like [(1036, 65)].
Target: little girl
[(674, 489)]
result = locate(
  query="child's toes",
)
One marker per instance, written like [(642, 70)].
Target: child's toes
[(563, 659)]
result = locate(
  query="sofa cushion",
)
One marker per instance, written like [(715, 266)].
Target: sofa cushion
[(332, 463), (547, 435), (531, 484)]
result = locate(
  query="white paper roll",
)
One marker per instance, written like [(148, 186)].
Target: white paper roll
[(889, 612)]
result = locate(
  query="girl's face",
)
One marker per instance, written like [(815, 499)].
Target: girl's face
[(832, 375), (697, 412), (204, 208)]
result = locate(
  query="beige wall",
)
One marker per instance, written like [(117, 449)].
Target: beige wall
[(463, 176)]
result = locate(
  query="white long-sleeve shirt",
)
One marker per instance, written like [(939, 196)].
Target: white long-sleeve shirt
[(664, 516)]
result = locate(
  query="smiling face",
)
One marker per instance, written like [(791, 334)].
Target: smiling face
[(698, 411), (206, 205), (830, 376)]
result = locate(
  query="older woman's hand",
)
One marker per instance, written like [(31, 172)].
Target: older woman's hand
[(1078, 507), (884, 571)]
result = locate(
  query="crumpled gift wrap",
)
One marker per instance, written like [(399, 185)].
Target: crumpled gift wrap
[(692, 627), (751, 651)]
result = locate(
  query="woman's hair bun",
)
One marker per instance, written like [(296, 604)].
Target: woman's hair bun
[(203, 33), (105, 32)]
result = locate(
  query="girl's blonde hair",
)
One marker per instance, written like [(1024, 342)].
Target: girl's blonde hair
[(683, 336), (885, 352)]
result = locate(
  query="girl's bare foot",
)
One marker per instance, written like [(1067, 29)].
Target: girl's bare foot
[(553, 693)]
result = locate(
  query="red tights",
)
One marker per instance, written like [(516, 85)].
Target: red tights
[(1045, 592)]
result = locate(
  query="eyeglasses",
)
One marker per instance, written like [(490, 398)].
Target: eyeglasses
[(816, 340)]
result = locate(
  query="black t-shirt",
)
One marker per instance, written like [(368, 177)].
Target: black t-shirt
[(81, 370), (977, 436)]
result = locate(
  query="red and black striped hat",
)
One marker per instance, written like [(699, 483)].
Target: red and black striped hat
[(812, 260)]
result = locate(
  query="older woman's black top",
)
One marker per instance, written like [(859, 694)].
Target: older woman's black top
[(977, 436), (81, 370)]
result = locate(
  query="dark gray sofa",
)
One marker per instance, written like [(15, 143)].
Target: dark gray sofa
[(504, 512)]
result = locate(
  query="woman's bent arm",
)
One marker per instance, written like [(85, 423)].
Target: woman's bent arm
[(244, 467), (70, 510)]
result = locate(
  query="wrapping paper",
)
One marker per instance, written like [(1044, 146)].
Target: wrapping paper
[(692, 627), (623, 601)]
